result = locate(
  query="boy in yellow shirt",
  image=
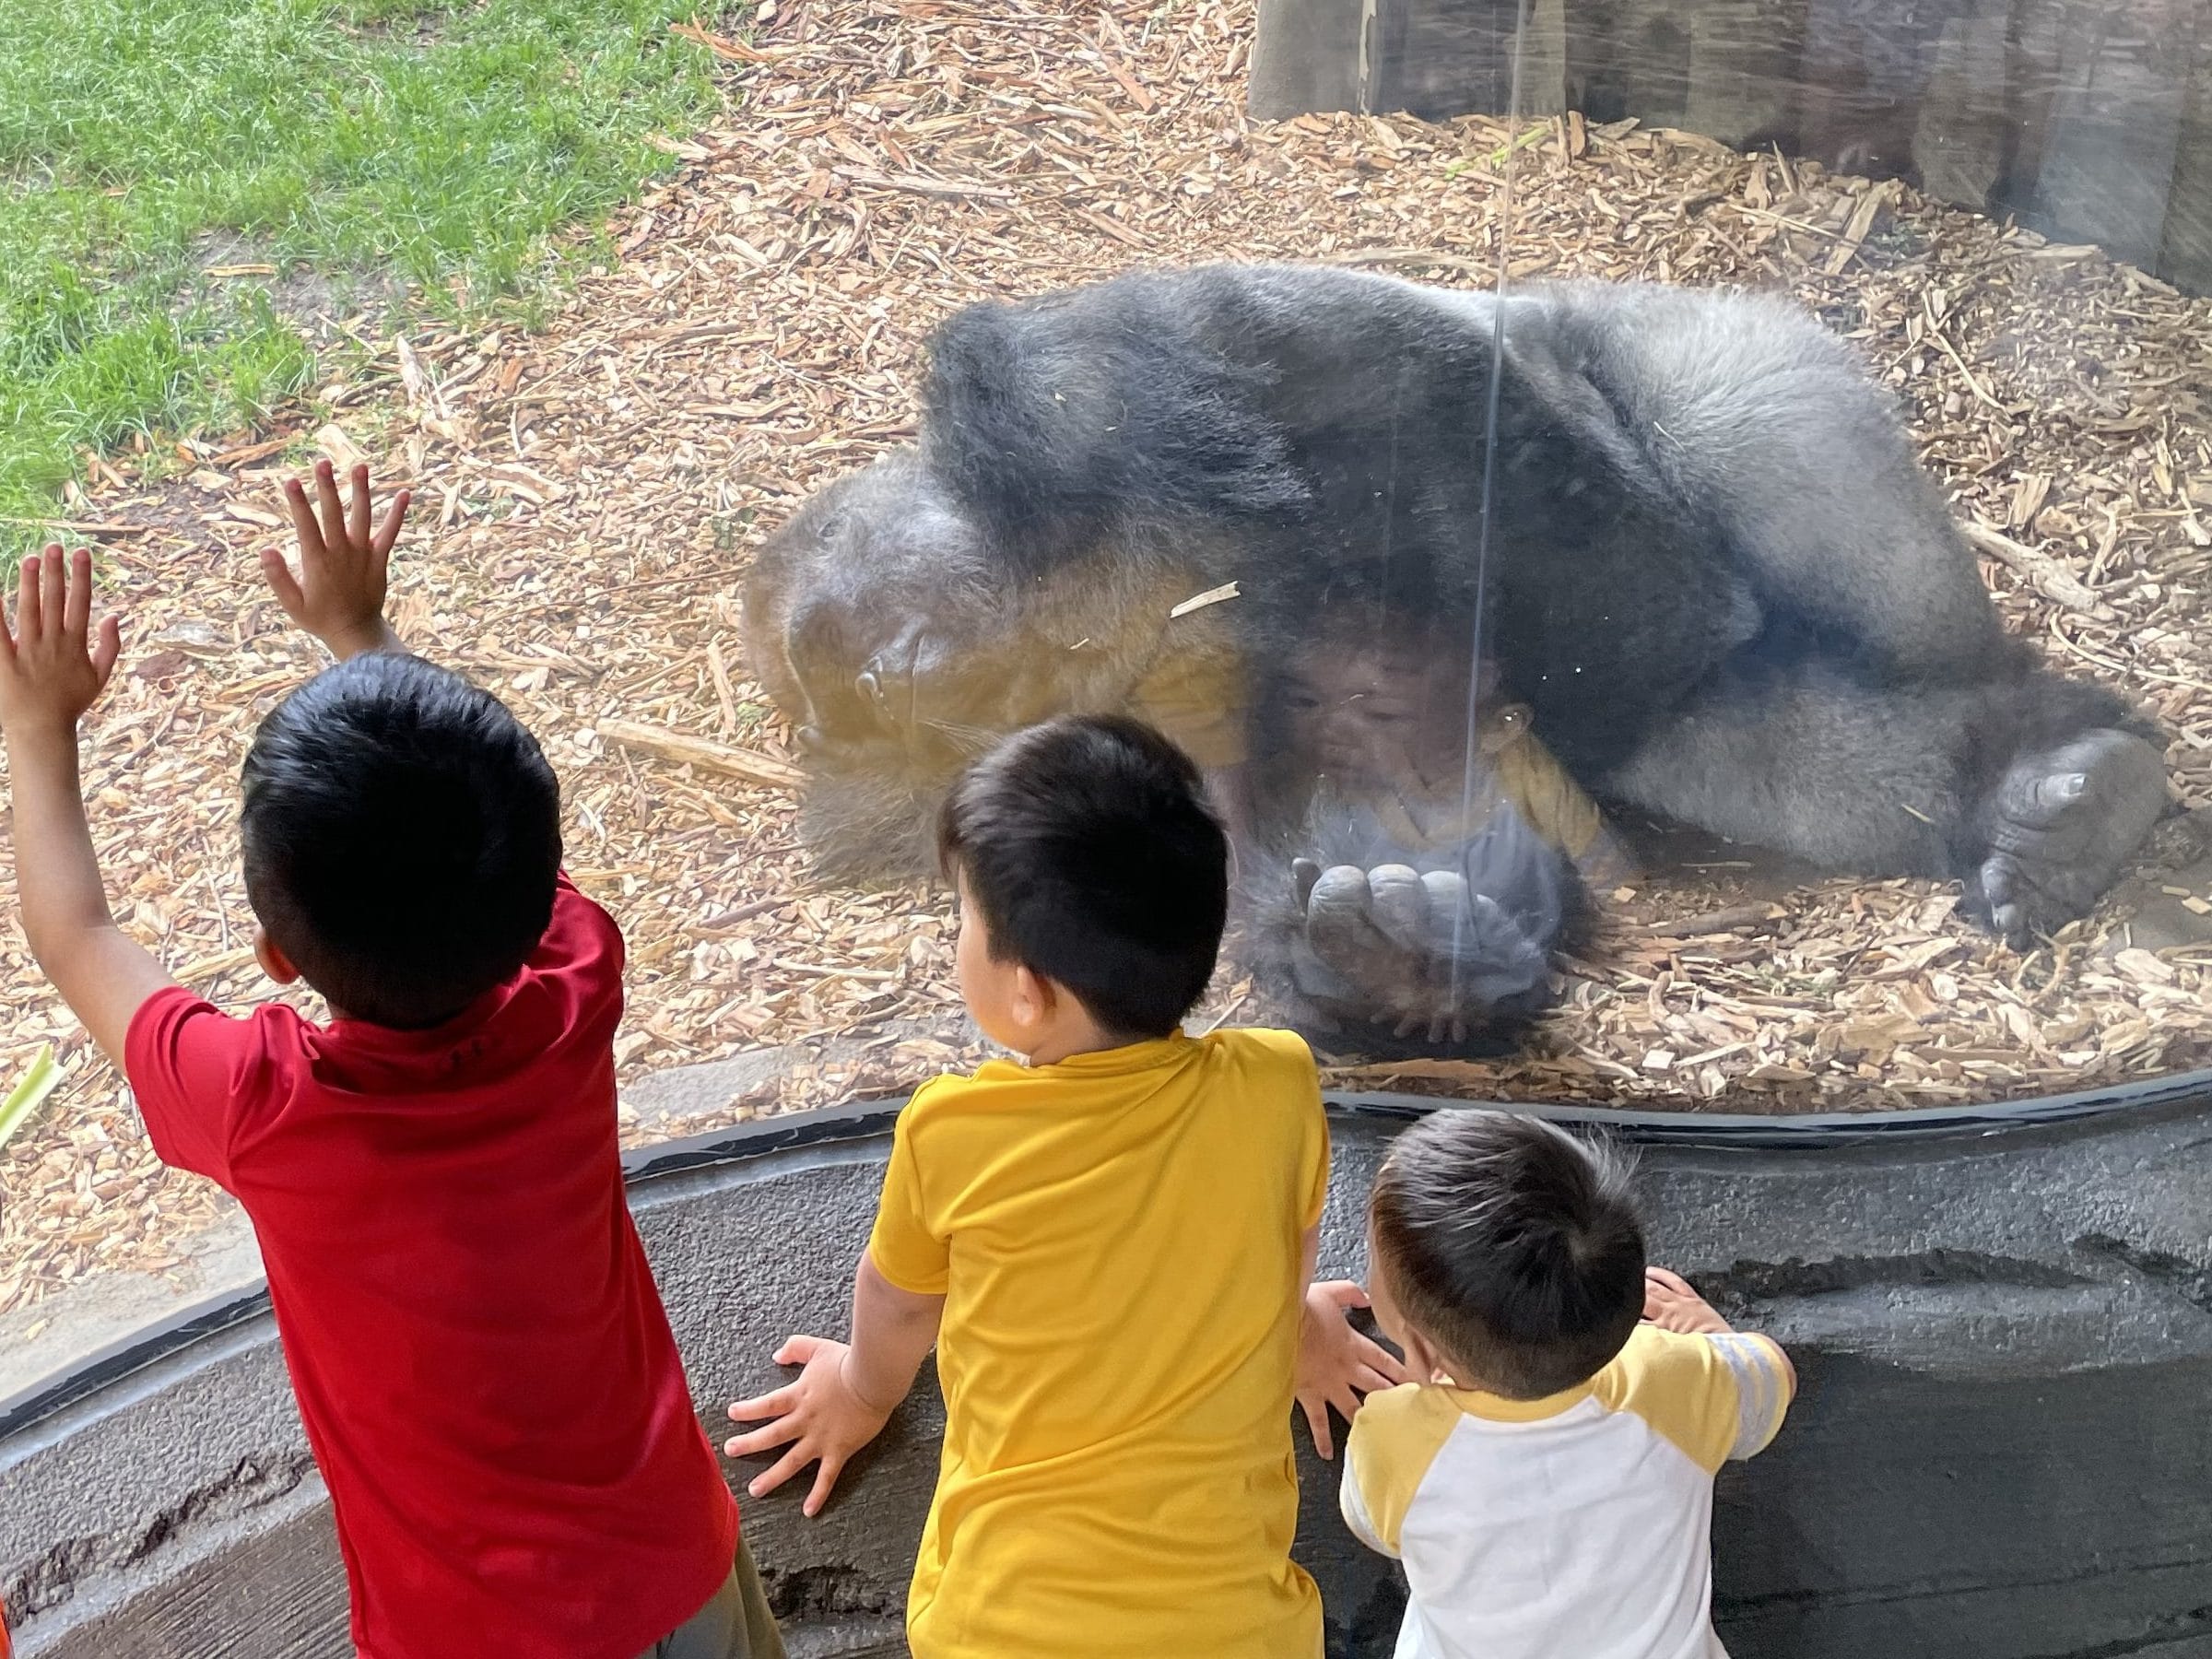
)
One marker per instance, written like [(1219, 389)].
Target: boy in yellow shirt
[(1110, 1245)]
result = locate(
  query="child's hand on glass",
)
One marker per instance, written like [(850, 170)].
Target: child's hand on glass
[(51, 668), (1335, 1363), (819, 1416), (338, 594), (1670, 1303)]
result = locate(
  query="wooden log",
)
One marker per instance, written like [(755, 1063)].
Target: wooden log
[(1544, 60), (1741, 86), (1438, 61), (1429, 59), (686, 750), (2091, 120), (1306, 57), (2110, 156), (1960, 141), (1716, 921), (2186, 258)]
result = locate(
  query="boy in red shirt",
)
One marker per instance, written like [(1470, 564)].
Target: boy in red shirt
[(482, 1363)]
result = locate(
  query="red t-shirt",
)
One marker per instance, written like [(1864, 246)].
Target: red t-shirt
[(481, 1359)]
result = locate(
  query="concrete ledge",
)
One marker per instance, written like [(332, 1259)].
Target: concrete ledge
[(99, 1317), (2006, 1335), (92, 1327)]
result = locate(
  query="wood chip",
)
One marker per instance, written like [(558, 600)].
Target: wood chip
[(1213, 595), (701, 751), (345, 455), (2048, 576)]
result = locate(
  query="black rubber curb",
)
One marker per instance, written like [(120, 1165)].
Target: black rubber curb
[(208, 1317)]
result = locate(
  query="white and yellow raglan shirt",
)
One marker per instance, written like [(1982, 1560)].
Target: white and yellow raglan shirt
[(1578, 1524)]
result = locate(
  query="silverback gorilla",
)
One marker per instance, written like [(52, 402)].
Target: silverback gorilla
[(1674, 554)]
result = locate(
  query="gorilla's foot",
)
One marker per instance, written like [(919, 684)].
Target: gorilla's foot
[(2062, 824), (1418, 953)]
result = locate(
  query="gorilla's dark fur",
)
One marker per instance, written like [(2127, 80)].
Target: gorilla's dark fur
[(1696, 547)]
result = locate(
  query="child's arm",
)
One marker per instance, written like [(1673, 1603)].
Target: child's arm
[(846, 1394), (1335, 1363), (1672, 1303), (50, 672), (1745, 1383), (338, 596)]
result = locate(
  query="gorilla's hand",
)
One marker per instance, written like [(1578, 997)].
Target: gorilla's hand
[(2061, 825), (1421, 953)]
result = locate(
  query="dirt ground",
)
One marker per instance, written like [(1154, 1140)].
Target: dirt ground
[(588, 498)]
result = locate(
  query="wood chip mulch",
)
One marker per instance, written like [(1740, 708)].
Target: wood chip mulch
[(588, 498)]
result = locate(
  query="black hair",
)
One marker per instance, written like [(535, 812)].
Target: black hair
[(401, 834), (1087, 845), (1512, 1246)]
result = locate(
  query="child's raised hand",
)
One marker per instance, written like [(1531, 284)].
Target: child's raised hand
[(338, 596), (1335, 1363), (1670, 1303), (52, 669), (818, 1416)]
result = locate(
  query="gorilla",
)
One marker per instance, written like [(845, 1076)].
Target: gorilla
[(1422, 576)]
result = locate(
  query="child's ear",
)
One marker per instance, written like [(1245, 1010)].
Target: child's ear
[(1032, 1002), (274, 962), (1424, 1363)]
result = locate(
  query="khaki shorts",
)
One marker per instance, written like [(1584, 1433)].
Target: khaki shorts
[(736, 1624)]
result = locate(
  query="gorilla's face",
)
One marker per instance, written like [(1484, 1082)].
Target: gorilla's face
[(895, 648), (872, 624)]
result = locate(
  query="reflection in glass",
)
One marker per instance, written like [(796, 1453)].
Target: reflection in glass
[(1414, 603), (1784, 700)]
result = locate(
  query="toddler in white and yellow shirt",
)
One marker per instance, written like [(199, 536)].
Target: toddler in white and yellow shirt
[(1549, 1490)]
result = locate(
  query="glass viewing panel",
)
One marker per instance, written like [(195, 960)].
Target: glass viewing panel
[(1764, 675)]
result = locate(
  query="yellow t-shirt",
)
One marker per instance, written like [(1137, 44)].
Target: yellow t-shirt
[(1117, 1238), (1197, 694)]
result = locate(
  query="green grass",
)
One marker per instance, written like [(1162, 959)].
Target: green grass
[(352, 144)]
